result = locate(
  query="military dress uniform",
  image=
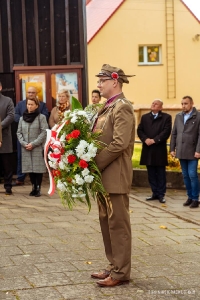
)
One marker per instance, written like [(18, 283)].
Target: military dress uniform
[(116, 122)]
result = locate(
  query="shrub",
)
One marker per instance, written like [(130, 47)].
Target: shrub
[(173, 163)]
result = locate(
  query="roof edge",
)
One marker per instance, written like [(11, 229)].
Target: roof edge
[(190, 11), (105, 21)]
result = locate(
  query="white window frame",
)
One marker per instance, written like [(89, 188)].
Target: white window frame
[(145, 53)]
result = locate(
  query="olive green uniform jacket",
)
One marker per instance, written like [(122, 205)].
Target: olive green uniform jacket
[(117, 124)]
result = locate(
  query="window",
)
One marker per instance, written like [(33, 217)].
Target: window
[(150, 55)]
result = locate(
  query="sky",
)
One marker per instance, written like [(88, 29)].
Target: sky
[(194, 6)]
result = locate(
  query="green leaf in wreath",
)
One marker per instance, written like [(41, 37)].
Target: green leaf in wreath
[(76, 104)]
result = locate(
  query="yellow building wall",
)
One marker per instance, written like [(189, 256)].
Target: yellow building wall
[(143, 23), (187, 54)]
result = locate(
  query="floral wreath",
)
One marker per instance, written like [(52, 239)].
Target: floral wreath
[(70, 150)]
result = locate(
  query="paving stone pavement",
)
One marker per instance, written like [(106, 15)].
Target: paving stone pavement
[(48, 252)]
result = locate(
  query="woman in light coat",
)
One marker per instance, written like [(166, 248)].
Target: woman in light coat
[(31, 134)]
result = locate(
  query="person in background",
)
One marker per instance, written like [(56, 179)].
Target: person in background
[(0, 134), (154, 130), (63, 104), (19, 110), (185, 145), (92, 109), (116, 121), (0, 146), (7, 117), (31, 134)]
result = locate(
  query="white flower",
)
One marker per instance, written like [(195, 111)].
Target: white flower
[(62, 138), (61, 165), (80, 152), (92, 150), (53, 165), (86, 157), (74, 119), (89, 178), (61, 186), (64, 159), (66, 113), (79, 179), (85, 172), (81, 113), (81, 148), (86, 151)]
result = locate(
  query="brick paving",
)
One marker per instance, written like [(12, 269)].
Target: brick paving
[(48, 252)]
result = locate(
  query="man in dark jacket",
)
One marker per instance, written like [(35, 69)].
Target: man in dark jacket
[(19, 110), (154, 130), (185, 145), (6, 117)]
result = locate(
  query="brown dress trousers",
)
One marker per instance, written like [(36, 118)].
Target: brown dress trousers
[(116, 231)]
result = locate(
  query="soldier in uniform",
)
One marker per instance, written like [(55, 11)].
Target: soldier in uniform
[(116, 122)]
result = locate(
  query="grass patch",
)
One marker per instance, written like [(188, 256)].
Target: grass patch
[(136, 157), (174, 164)]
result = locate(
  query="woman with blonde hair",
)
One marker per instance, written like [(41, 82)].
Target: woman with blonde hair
[(63, 104), (31, 134)]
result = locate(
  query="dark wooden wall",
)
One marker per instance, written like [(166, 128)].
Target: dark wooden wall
[(41, 33)]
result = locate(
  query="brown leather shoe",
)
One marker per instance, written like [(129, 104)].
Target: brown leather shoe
[(101, 275), (111, 282)]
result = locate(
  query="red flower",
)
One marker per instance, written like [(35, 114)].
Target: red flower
[(83, 164), (75, 134), (68, 137), (71, 158), (56, 173), (114, 75), (62, 151)]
